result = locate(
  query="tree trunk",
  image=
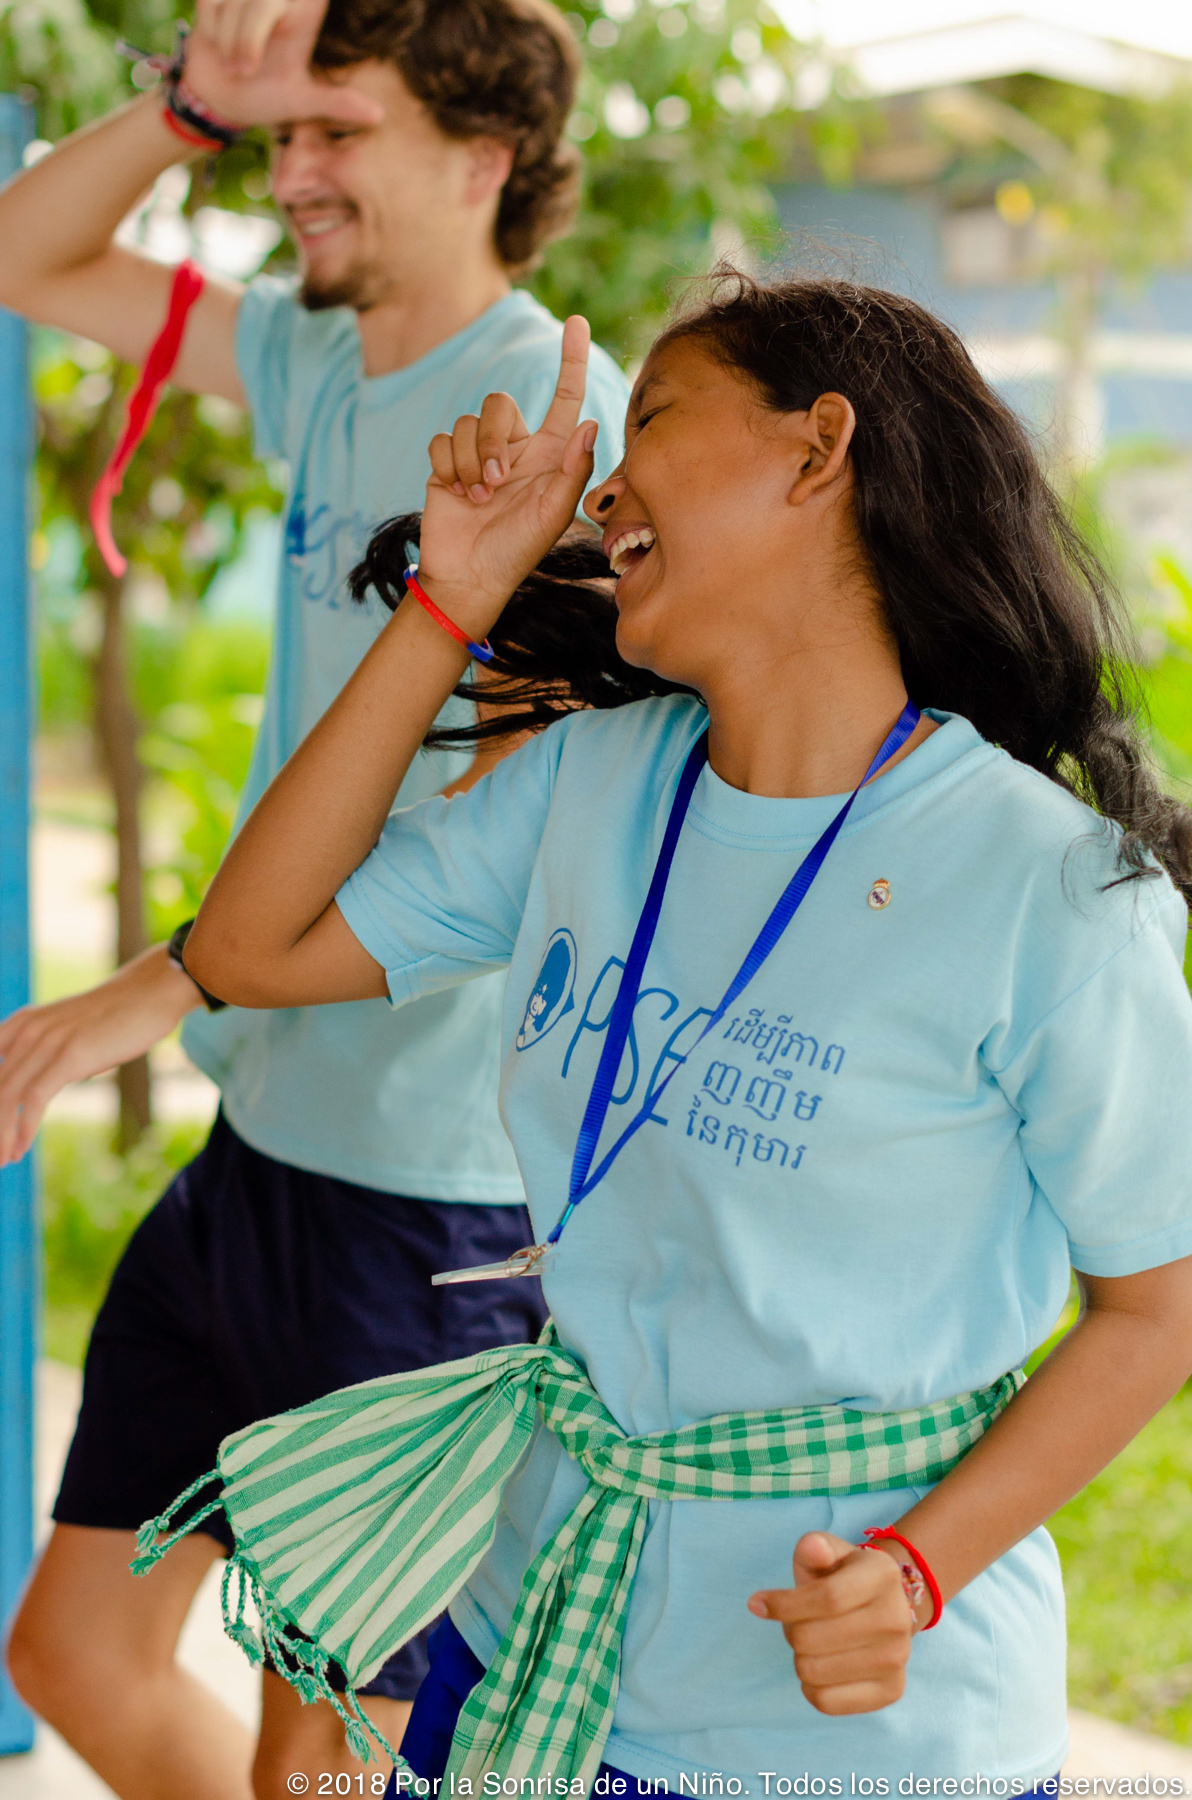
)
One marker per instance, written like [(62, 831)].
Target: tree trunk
[(117, 729), (1080, 422)]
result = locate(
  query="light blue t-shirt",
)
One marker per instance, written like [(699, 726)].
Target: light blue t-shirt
[(866, 1187), (401, 1101)]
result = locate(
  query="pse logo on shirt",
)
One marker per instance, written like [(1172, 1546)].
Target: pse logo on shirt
[(764, 1080), (551, 994), (322, 547)]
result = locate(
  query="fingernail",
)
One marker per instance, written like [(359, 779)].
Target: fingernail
[(758, 1607), (477, 492), (457, 487), (590, 438), (492, 470)]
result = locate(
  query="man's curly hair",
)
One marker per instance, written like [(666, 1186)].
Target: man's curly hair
[(483, 68)]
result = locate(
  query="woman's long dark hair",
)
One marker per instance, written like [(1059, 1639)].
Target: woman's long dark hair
[(1000, 610), (555, 644)]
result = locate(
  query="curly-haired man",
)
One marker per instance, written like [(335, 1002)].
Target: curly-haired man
[(420, 164)]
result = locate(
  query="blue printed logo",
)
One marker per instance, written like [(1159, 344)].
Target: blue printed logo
[(323, 547), (296, 530), (550, 997)]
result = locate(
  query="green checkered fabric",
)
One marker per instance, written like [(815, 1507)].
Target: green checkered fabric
[(357, 1519)]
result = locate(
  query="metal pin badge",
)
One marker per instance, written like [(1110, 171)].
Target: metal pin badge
[(879, 894)]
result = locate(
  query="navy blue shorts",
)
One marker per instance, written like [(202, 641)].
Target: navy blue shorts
[(253, 1287), (454, 1672)]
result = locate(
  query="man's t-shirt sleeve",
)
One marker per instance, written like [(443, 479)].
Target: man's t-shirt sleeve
[(1103, 1083), (264, 341), (441, 897)]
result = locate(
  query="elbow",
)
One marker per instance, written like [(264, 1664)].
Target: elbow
[(227, 968), (21, 276), (13, 291)]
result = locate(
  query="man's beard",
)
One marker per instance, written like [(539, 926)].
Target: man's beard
[(360, 287)]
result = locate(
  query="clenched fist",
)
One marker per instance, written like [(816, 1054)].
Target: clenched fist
[(848, 1621)]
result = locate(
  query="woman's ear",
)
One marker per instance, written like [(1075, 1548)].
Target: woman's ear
[(825, 432)]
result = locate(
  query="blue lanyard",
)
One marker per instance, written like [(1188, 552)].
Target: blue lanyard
[(583, 1177)]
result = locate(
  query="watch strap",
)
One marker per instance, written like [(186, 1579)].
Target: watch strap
[(174, 951)]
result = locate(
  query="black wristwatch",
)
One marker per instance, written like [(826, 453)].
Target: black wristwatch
[(174, 951)]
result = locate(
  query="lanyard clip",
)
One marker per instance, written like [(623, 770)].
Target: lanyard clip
[(529, 1261)]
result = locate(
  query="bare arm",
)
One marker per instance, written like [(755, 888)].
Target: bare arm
[(42, 1048), (846, 1618), (269, 933), (60, 266), (247, 60), (1126, 1356)]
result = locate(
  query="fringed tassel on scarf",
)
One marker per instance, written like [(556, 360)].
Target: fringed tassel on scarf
[(364, 1513), (290, 1653), (156, 1536)]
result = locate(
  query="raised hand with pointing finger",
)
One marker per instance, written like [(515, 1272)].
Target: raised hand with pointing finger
[(501, 495), (498, 498)]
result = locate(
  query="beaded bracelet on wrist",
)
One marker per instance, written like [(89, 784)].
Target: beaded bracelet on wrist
[(187, 116)]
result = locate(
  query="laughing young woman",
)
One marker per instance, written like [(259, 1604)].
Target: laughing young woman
[(835, 1033)]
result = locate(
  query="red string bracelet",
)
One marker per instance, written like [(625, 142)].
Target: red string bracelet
[(929, 1581), (182, 105), (187, 116), (163, 354), (180, 130), (483, 652)]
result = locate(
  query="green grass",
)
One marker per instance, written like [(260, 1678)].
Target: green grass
[(1126, 1547), (1125, 1542), (92, 1201)]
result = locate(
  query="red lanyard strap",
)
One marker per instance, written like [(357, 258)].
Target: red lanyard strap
[(142, 404)]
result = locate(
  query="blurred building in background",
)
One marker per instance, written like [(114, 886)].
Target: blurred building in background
[(943, 206)]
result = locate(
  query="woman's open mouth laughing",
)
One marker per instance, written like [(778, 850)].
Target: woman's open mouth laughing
[(626, 546)]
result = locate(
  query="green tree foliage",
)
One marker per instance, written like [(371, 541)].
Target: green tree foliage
[(200, 745), (186, 494), (1103, 187), (1115, 193), (1168, 677), (1114, 198), (1166, 682), (685, 112), (1157, 589), (55, 48), (188, 498), (184, 506)]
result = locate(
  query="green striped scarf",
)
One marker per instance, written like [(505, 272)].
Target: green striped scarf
[(358, 1517)]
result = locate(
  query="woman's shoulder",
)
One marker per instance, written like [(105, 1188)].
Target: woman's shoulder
[(1059, 862), (590, 755), (636, 735)]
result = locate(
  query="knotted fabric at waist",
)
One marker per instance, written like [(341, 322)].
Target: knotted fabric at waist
[(359, 1517)]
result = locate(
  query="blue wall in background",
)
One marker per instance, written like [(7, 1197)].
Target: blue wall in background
[(19, 1261), (894, 237)]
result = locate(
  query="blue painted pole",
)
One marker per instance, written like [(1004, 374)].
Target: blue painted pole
[(19, 1258)]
